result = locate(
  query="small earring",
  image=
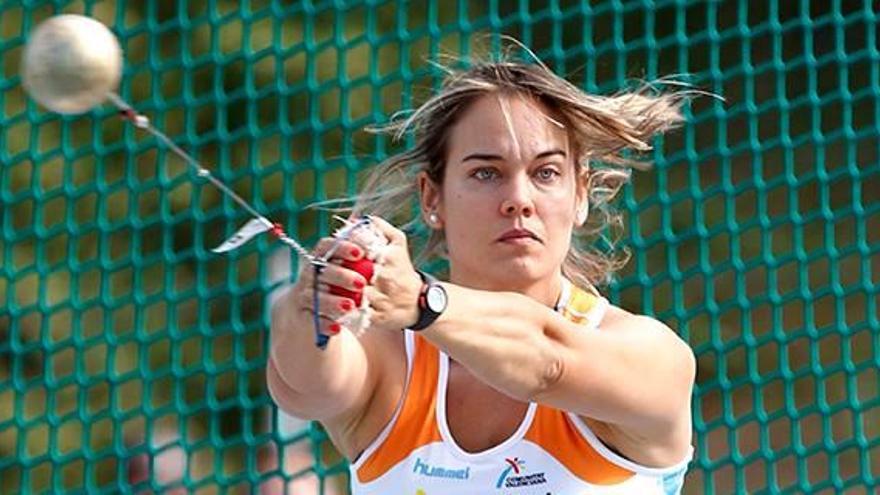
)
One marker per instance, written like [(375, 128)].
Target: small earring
[(582, 215), (433, 218)]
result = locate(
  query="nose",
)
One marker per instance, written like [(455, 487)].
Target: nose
[(517, 199)]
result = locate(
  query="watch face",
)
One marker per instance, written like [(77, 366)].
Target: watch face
[(436, 298)]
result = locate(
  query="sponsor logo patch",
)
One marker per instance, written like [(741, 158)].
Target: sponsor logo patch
[(424, 469), (514, 475)]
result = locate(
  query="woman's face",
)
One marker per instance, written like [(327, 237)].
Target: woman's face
[(510, 194)]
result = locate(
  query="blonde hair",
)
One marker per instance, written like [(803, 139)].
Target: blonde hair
[(603, 131)]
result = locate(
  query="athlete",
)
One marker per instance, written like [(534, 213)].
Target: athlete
[(515, 376)]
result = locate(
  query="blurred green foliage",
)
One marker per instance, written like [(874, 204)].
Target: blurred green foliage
[(123, 338)]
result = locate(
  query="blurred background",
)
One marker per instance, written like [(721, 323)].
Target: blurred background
[(132, 358)]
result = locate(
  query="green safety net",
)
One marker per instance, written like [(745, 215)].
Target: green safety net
[(132, 357)]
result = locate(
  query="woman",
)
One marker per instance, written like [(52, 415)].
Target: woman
[(515, 376)]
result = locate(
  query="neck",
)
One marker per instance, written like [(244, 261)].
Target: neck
[(546, 290)]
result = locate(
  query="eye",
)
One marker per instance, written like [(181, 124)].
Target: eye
[(484, 173), (547, 174)]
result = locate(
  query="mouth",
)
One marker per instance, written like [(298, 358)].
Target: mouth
[(518, 236)]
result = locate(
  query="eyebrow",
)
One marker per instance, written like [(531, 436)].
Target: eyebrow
[(489, 157)]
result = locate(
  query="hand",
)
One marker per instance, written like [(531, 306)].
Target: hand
[(394, 292), (339, 288)]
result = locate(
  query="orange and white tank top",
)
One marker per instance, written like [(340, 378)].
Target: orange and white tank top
[(552, 451)]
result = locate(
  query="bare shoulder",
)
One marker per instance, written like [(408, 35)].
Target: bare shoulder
[(652, 447), (386, 355), (619, 320), (652, 334)]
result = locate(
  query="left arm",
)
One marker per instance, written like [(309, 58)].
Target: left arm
[(637, 375)]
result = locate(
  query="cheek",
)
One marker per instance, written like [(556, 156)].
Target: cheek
[(561, 223), (460, 206), (559, 230), (559, 206), (558, 217), (465, 218)]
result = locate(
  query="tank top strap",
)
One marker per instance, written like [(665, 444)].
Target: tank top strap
[(580, 306)]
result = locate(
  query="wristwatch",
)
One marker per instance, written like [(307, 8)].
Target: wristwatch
[(432, 301)]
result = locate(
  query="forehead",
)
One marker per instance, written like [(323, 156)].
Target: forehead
[(507, 124)]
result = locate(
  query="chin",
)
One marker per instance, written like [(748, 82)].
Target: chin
[(518, 272), (503, 271)]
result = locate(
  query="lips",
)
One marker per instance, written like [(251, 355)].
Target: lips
[(518, 234)]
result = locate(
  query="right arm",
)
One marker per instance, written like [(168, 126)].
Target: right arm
[(309, 382)]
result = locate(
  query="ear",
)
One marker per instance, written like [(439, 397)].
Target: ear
[(582, 196), (430, 201)]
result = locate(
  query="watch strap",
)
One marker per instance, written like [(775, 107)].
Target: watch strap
[(426, 315)]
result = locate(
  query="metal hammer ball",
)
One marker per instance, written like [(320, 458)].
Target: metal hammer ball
[(71, 63)]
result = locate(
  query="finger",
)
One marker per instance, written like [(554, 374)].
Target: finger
[(377, 299), (329, 327), (341, 249), (329, 305), (392, 233), (343, 277), (326, 326), (306, 279), (339, 277), (338, 249), (306, 274), (373, 295)]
